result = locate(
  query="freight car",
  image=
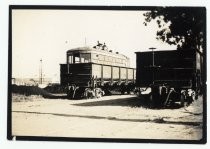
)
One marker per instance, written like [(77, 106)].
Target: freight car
[(170, 76), (90, 69)]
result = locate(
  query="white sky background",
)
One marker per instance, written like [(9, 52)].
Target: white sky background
[(48, 34)]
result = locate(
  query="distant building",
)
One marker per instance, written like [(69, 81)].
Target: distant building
[(30, 81)]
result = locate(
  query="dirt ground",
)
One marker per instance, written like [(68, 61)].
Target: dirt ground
[(118, 116)]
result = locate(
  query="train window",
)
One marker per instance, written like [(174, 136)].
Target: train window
[(106, 58), (118, 60), (82, 60), (101, 57), (79, 58), (76, 58), (85, 57), (95, 56), (110, 59), (70, 59), (124, 63)]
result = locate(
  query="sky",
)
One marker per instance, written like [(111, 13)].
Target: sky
[(48, 34)]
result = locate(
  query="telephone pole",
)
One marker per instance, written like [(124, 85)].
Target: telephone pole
[(40, 72), (153, 64), (153, 56)]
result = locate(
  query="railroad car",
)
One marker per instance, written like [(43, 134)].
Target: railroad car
[(175, 75), (88, 68)]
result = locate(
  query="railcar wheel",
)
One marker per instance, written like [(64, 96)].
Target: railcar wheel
[(190, 96), (168, 98), (182, 99), (155, 97), (151, 101), (163, 95), (99, 92), (88, 93)]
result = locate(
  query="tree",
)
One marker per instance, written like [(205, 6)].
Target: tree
[(181, 26)]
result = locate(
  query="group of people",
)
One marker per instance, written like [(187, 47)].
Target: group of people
[(101, 46)]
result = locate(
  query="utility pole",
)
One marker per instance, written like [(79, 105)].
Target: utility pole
[(41, 71), (153, 64), (67, 56), (153, 56)]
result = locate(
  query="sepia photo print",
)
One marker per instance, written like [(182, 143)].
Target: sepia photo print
[(107, 74)]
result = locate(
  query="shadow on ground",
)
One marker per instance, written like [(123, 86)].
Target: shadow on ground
[(127, 101), (158, 120), (142, 101), (56, 97)]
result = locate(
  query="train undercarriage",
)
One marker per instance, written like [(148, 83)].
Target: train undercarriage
[(97, 91), (161, 96)]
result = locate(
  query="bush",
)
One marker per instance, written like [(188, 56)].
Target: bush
[(29, 90)]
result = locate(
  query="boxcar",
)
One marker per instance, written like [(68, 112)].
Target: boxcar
[(170, 74), (89, 68)]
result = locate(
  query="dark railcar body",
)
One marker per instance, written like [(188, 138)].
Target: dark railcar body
[(177, 68), (79, 74), (83, 74), (95, 67)]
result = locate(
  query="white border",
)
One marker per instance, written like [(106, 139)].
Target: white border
[(4, 12)]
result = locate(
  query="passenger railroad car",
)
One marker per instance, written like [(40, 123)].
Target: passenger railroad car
[(95, 67)]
